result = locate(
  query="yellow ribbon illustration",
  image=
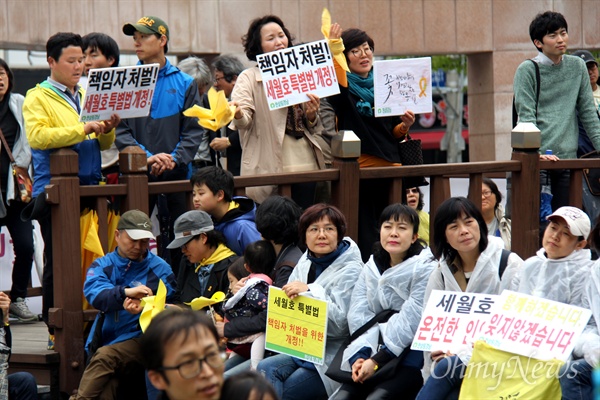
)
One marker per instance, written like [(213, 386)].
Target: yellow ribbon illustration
[(336, 45), (219, 114), (153, 305), (200, 302), (423, 87)]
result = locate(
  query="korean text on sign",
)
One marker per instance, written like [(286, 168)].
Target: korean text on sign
[(402, 85), (452, 321), (535, 327), (296, 327), (126, 91), (288, 75)]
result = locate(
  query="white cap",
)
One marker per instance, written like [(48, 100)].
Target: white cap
[(578, 221)]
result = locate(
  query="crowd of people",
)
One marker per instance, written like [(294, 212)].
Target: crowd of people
[(242, 245)]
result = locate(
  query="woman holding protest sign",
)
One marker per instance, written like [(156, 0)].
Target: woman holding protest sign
[(327, 271), (279, 140), (390, 290), (379, 137), (470, 261)]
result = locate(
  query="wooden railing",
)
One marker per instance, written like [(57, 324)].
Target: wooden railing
[(64, 194)]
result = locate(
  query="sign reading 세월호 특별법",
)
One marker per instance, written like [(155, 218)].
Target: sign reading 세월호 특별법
[(126, 91), (296, 327), (290, 74)]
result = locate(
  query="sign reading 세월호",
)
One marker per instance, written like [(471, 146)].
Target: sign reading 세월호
[(514, 322), (452, 321), (296, 327), (126, 91), (288, 75)]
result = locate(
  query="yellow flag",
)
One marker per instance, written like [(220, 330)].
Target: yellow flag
[(336, 45), (153, 305), (219, 114), (200, 302)]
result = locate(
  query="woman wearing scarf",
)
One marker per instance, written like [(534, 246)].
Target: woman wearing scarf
[(327, 271), (379, 136), (204, 269), (274, 141)]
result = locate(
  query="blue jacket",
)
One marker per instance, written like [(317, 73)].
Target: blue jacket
[(166, 130), (238, 225), (105, 285)]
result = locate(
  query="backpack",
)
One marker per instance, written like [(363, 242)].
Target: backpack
[(515, 116)]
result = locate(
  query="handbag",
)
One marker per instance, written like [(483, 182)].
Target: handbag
[(592, 175), (411, 152), (90, 161), (22, 180), (335, 371)]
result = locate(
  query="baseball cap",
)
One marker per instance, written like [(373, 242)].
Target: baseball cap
[(585, 56), (148, 25), (578, 221), (137, 225), (188, 225)]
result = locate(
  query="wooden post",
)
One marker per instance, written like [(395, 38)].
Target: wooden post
[(525, 192), (133, 165), (345, 148), (439, 190), (66, 316)]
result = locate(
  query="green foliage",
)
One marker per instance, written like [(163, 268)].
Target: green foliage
[(450, 62)]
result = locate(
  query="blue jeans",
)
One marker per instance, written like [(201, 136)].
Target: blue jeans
[(22, 386), (445, 381), (235, 365), (576, 380), (291, 381)]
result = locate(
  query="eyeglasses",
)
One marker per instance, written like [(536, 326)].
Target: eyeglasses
[(192, 368), (219, 78), (413, 190), (367, 51), (486, 193)]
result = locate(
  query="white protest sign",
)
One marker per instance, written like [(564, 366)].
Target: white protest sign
[(535, 327), (453, 321), (402, 85), (288, 75), (126, 91)]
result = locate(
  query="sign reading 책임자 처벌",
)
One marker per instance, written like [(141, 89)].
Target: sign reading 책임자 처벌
[(296, 327), (535, 327), (402, 85), (126, 91), (453, 321), (290, 74)]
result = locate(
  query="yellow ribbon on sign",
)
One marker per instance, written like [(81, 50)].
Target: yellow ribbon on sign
[(336, 45), (200, 302), (423, 87), (153, 305), (219, 114)]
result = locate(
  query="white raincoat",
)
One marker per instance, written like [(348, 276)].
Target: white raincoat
[(588, 345), (562, 280), (334, 285), (485, 279), (401, 288)]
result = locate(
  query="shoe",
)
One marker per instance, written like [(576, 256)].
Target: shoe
[(50, 342), (18, 309)]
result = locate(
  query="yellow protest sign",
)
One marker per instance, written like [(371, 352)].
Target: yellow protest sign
[(296, 327)]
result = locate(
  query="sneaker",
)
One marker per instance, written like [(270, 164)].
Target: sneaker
[(50, 342), (18, 309)]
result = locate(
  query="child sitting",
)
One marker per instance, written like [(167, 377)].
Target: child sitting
[(251, 299)]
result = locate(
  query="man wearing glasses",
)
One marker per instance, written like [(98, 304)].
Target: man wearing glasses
[(182, 355)]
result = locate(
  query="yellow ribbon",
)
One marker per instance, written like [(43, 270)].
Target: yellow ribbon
[(200, 302), (219, 114), (336, 45), (422, 86), (153, 305)]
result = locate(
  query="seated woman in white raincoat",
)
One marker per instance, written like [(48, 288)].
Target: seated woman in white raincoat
[(469, 262), (328, 271), (394, 278)]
